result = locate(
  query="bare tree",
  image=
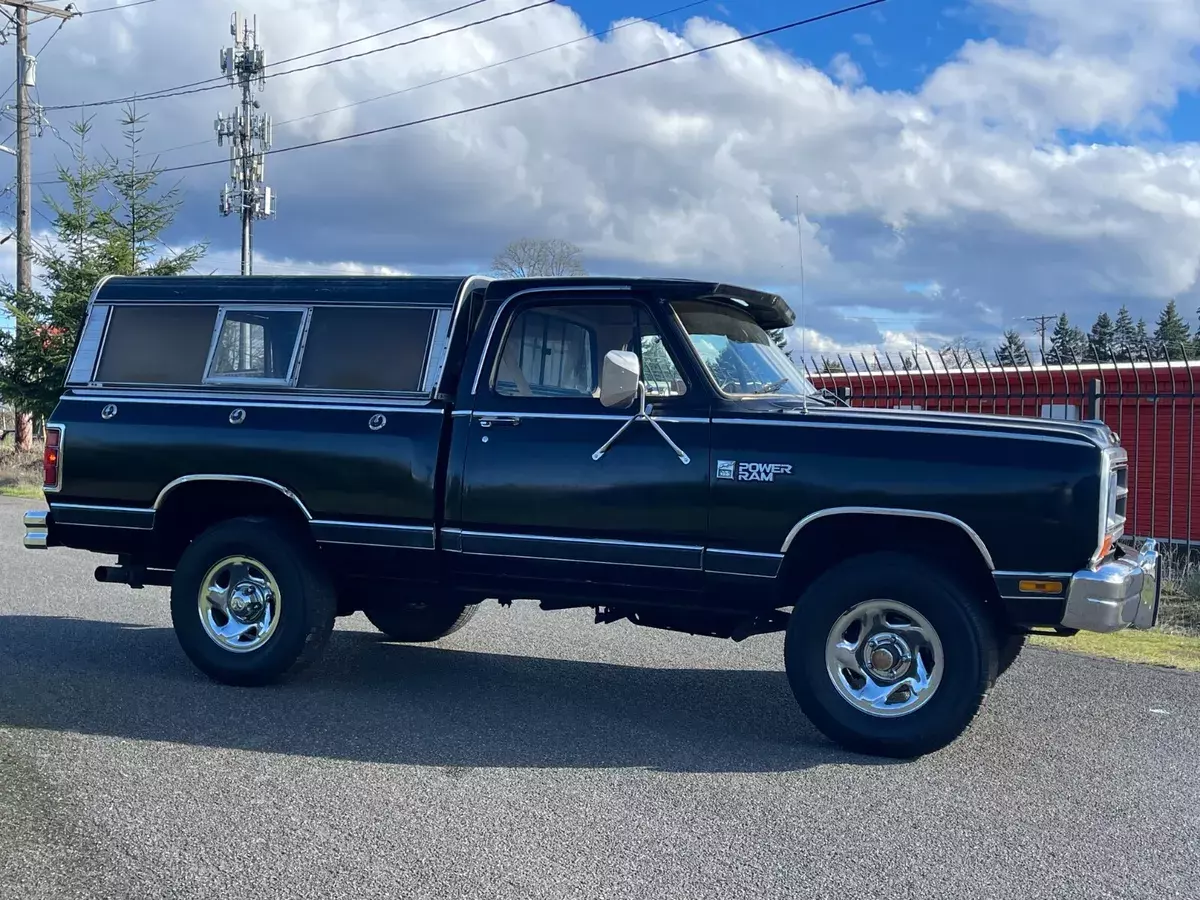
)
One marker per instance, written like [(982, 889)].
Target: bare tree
[(533, 257)]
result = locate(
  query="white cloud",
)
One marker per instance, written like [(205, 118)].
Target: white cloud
[(845, 70), (692, 168)]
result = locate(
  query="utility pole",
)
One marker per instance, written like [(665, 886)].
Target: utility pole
[(1041, 328), (26, 78), (249, 134)]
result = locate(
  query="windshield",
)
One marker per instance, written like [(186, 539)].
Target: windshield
[(740, 355)]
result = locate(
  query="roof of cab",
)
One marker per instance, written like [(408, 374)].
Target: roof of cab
[(769, 310)]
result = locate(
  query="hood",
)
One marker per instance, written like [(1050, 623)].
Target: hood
[(1096, 433)]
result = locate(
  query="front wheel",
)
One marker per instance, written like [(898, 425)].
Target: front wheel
[(889, 656), (249, 602)]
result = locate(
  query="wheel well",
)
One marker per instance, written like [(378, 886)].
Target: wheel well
[(830, 540), (189, 509)]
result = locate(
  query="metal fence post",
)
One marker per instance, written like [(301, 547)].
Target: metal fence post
[(1091, 399)]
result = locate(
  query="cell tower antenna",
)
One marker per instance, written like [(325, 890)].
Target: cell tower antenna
[(249, 134)]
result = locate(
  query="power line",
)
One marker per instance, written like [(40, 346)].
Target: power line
[(61, 23), (92, 12), (550, 90), (208, 84), (445, 78)]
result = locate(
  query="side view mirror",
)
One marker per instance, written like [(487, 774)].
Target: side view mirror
[(619, 378)]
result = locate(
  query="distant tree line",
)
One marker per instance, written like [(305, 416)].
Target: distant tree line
[(1110, 339)]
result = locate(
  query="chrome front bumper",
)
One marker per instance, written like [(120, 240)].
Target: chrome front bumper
[(1119, 594), (37, 530)]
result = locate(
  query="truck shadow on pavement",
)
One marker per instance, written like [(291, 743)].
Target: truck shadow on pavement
[(371, 701)]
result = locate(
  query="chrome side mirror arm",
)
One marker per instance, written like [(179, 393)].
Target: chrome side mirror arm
[(642, 415)]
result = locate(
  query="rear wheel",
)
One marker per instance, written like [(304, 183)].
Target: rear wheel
[(418, 622), (249, 602), (889, 656)]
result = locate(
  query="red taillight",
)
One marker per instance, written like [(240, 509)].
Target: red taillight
[(50, 457)]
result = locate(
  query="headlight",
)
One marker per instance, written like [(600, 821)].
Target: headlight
[(1114, 494)]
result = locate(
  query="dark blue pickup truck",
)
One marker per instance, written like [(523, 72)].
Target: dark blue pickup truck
[(283, 451)]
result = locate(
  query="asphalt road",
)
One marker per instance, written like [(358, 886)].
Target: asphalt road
[(537, 755)]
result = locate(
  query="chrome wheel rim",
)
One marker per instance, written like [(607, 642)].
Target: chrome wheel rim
[(239, 604), (884, 658)]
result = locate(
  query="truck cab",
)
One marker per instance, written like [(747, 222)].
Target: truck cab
[(280, 451)]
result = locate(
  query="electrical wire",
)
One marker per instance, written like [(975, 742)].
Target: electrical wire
[(446, 78), (92, 12), (61, 23), (218, 80), (778, 29)]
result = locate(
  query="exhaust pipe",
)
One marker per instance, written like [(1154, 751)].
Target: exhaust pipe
[(133, 576)]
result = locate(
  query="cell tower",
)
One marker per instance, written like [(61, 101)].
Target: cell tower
[(249, 135)]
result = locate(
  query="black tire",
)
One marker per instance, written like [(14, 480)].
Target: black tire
[(306, 608), (418, 622), (1010, 648), (961, 625)]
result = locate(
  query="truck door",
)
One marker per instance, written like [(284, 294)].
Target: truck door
[(540, 501)]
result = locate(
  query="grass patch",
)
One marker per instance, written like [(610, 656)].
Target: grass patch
[(26, 491), (21, 473), (1179, 651)]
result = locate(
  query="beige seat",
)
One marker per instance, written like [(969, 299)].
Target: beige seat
[(509, 370)]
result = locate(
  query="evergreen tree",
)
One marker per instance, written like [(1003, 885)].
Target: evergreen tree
[(780, 338), (93, 238), (143, 212), (1102, 345), (1067, 343), (1172, 333), (1013, 351), (1124, 335), (1140, 349)]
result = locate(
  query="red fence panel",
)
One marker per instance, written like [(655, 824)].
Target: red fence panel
[(1152, 406)]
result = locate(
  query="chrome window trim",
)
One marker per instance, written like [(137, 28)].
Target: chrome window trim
[(247, 479), (460, 301), (293, 368), (812, 422), (559, 289), (888, 511)]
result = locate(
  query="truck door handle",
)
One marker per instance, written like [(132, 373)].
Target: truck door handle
[(489, 421)]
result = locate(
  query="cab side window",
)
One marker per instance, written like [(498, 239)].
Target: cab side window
[(558, 351)]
